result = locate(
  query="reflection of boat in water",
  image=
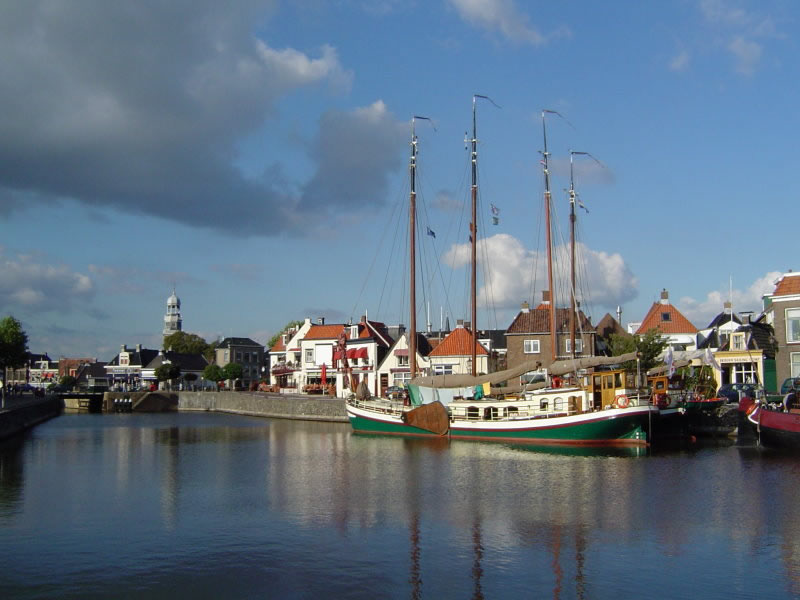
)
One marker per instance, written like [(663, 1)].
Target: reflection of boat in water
[(601, 407)]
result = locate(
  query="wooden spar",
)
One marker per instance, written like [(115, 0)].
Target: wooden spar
[(572, 255), (412, 243), (412, 260), (473, 235), (548, 228)]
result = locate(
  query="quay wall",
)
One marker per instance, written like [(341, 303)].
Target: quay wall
[(23, 415), (259, 404)]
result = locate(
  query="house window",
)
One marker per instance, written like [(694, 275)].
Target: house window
[(239, 357), (402, 361), (401, 379), (744, 373), (227, 356), (793, 325), (665, 316), (309, 355), (442, 369), (737, 341), (530, 346), (578, 346), (795, 366)]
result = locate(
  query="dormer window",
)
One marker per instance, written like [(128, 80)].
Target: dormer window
[(737, 341), (665, 317)]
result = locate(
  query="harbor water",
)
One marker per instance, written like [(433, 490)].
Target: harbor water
[(201, 505)]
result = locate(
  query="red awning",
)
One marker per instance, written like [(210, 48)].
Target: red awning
[(401, 352), (357, 353), (337, 355)]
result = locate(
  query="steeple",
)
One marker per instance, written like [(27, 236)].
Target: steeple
[(172, 320)]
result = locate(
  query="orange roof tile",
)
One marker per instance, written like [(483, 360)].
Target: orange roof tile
[(675, 323), (279, 346), (458, 343), (324, 332), (788, 285)]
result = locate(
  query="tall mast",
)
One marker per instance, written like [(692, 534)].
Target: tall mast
[(473, 236), (572, 254), (548, 228), (412, 259)]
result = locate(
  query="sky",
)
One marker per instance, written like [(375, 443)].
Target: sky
[(253, 156)]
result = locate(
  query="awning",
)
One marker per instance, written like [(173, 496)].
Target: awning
[(281, 370), (357, 353), (401, 352)]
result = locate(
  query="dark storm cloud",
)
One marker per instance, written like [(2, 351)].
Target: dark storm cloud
[(139, 106)]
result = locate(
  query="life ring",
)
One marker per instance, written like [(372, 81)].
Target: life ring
[(621, 401)]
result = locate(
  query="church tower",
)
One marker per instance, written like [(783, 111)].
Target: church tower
[(172, 320)]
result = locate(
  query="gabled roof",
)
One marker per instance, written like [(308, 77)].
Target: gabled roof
[(497, 337), (608, 325), (374, 330), (537, 321), (760, 336), (93, 369), (788, 285), (140, 357), (324, 332), (279, 346), (237, 341), (724, 317), (667, 319), (458, 343)]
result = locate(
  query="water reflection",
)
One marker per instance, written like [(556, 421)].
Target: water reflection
[(240, 505)]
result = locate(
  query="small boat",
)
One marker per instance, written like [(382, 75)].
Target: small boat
[(775, 425), (601, 408)]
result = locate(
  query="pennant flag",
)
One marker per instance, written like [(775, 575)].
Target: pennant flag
[(669, 360), (495, 210), (431, 232), (495, 220), (709, 359)]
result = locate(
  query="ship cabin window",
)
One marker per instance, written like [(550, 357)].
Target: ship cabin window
[(472, 412), (543, 404), (512, 411), (490, 413), (660, 385)]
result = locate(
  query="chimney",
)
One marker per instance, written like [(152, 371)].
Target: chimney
[(401, 329), (459, 323), (546, 297), (747, 317), (123, 348), (468, 325), (664, 296), (320, 320), (726, 308), (525, 306), (138, 347)]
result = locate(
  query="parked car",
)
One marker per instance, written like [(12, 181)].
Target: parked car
[(731, 391)]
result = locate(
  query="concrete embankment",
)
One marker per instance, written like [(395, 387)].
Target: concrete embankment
[(282, 406), (19, 415)]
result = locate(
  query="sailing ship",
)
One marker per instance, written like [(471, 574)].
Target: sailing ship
[(575, 407)]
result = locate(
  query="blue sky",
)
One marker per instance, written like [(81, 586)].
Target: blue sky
[(252, 155)]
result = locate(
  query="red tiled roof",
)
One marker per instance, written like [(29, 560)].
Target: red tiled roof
[(538, 321), (279, 346), (788, 285), (458, 343), (677, 322), (324, 332)]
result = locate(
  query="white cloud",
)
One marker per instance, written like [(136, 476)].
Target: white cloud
[(502, 16), (28, 284), (701, 312), (747, 53), (679, 62), (514, 269)]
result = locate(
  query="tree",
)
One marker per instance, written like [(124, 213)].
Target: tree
[(233, 371), (167, 372), (290, 325), (649, 346), (68, 381), (185, 343), (13, 346), (213, 373)]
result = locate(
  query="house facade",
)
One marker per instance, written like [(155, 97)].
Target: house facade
[(782, 311), (284, 357), (528, 337), (243, 351), (395, 368), (124, 371), (453, 355), (190, 364)]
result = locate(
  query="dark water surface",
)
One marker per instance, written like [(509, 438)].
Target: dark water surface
[(219, 506)]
